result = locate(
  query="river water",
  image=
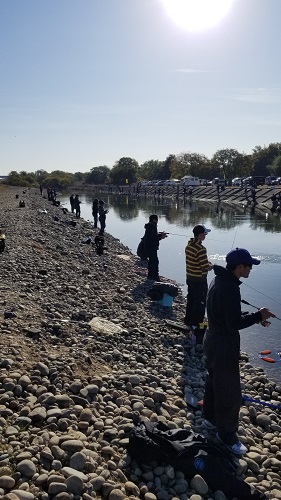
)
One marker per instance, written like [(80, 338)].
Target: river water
[(231, 226)]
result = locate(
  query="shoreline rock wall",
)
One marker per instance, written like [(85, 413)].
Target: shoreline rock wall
[(71, 388), (231, 194)]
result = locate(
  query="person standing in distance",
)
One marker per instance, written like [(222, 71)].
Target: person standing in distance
[(222, 399), (151, 246), (197, 267), (77, 208), (72, 203), (95, 212), (102, 217)]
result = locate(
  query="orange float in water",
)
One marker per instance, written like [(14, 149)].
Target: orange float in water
[(266, 351), (269, 360)]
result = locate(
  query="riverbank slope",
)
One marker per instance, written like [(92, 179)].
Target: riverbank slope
[(72, 386)]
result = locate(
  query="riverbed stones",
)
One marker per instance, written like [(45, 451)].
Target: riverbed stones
[(71, 392)]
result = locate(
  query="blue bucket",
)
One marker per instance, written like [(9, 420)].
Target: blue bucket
[(167, 300)]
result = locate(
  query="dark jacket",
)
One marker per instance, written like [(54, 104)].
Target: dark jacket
[(151, 238), (224, 305), (102, 212), (95, 208)]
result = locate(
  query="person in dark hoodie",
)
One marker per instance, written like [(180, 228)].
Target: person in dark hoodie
[(95, 211), (197, 267), (102, 217), (151, 245), (222, 399)]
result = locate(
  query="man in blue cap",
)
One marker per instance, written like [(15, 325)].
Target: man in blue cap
[(223, 396)]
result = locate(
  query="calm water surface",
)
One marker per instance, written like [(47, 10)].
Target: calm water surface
[(230, 227)]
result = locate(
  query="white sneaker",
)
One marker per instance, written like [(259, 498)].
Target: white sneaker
[(236, 448), (209, 426)]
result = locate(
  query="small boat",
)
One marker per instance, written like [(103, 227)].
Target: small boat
[(266, 351)]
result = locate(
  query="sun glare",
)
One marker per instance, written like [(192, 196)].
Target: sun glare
[(197, 15)]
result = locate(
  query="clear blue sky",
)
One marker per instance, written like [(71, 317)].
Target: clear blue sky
[(86, 82)]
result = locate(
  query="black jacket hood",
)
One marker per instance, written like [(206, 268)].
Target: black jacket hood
[(224, 273)]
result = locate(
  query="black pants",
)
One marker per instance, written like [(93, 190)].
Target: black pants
[(95, 215), (222, 397), (153, 266), (196, 302), (102, 225)]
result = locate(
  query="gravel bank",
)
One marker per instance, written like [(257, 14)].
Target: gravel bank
[(85, 354)]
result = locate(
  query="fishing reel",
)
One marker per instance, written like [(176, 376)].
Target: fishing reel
[(265, 323)]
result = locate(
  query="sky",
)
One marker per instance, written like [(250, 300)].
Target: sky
[(86, 82)]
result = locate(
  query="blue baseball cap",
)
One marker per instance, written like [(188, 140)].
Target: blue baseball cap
[(200, 229), (241, 256)]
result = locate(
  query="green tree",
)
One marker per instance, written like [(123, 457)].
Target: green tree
[(168, 165), (98, 175), (60, 180), (275, 167), (125, 168), (229, 163), (264, 157), (15, 179), (189, 163), (41, 176), (151, 169), (79, 177)]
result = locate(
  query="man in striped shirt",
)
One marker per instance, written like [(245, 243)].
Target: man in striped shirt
[(197, 267)]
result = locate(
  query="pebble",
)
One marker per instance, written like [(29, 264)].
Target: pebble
[(79, 366)]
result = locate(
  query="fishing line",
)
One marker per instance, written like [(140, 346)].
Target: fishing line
[(234, 237), (189, 236), (279, 303)]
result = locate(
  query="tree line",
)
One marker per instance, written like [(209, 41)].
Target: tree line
[(225, 163)]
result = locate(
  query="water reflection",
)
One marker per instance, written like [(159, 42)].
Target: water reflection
[(187, 211)]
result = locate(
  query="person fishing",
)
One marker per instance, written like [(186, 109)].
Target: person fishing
[(102, 217), (77, 208), (222, 398), (72, 203), (151, 245), (2, 241), (197, 267), (95, 212)]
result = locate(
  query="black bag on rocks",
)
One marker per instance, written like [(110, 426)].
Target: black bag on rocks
[(158, 289), (141, 250), (192, 454)]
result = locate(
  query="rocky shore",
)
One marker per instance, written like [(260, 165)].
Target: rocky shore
[(85, 354)]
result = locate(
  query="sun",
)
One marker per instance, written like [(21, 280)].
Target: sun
[(197, 15)]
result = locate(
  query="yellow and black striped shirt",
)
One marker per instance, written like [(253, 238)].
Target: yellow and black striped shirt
[(196, 261)]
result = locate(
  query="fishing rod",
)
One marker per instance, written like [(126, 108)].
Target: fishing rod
[(255, 307), (258, 401)]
